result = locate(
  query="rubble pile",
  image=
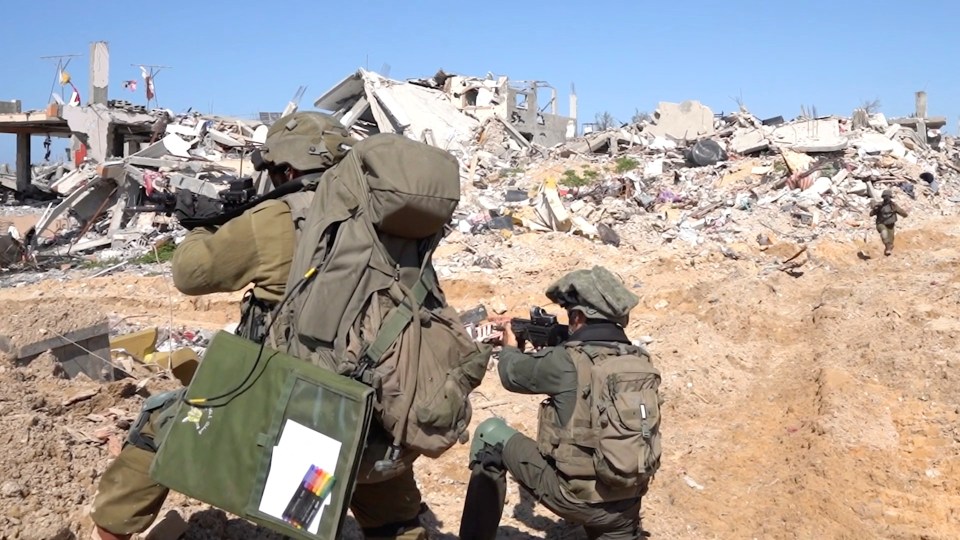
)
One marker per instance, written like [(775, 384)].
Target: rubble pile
[(122, 206), (684, 173), (690, 175)]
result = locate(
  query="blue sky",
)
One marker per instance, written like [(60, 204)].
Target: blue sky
[(237, 58)]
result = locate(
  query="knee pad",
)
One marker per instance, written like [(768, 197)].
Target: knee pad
[(158, 410), (490, 432)]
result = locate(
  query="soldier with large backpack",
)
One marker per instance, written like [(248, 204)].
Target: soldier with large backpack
[(352, 235), (254, 248), (598, 442)]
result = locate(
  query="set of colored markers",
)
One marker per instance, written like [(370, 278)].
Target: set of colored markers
[(309, 497)]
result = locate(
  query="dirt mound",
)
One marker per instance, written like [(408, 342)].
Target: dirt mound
[(823, 403), (56, 437), (23, 323)]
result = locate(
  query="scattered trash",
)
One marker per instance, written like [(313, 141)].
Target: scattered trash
[(608, 235), (692, 483), (707, 152)]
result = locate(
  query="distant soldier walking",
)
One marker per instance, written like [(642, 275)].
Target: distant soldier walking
[(887, 212)]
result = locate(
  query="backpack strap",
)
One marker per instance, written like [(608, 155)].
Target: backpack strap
[(594, 349), (399, 318), (390, 329)]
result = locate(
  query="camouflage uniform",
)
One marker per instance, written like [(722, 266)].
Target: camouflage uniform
[(256, 247), (887, 212), (604, 512)]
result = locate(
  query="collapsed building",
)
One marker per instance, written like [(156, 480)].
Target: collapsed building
[(125, 158), (523, 165), (447, 110)]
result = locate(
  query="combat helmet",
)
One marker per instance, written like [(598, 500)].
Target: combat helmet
[(596, 292), (306, 141), (887, 194)]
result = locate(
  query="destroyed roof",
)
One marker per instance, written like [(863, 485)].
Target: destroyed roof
[(389, 106)]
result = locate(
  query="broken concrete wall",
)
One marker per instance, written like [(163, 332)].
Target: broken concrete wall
[(687, 121), (480, 98), (95, 126), (545, 129), (420, 113), (813, 135), (75, 331), (446, 113)]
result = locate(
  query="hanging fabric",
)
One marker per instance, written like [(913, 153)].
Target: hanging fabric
[(74, 96), (148, 82)]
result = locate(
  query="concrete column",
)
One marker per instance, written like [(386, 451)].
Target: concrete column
[(99, 72), (573, 114), (922, 115), (24, 172), (921, 104)]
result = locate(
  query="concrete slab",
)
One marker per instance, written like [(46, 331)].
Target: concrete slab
[(32, 122), (72, 180), (819, 135), (748, 141), (73, 331), (933, 122), (877, 143), (95, 202), (682, 121)]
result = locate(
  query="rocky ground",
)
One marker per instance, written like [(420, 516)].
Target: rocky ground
[(818, 403)]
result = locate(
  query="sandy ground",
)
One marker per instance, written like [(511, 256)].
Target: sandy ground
[(820, 405)]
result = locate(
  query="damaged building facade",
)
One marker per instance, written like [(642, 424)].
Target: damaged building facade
[(123, 155), (448, 111), (686, 168)]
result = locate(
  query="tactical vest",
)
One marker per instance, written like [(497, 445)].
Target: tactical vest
[(610, 447), (886, 214)]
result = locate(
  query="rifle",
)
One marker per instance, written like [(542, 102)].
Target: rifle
[(239, 197), (239, 191), (541, 329)]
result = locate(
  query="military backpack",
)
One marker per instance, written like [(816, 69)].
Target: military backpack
[(363, 297), (614, 432)]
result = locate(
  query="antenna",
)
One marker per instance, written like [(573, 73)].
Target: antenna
[(154, 71), (61, 65)]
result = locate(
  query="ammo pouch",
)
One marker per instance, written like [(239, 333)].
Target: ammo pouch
[(252, 428), (253, 317)]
